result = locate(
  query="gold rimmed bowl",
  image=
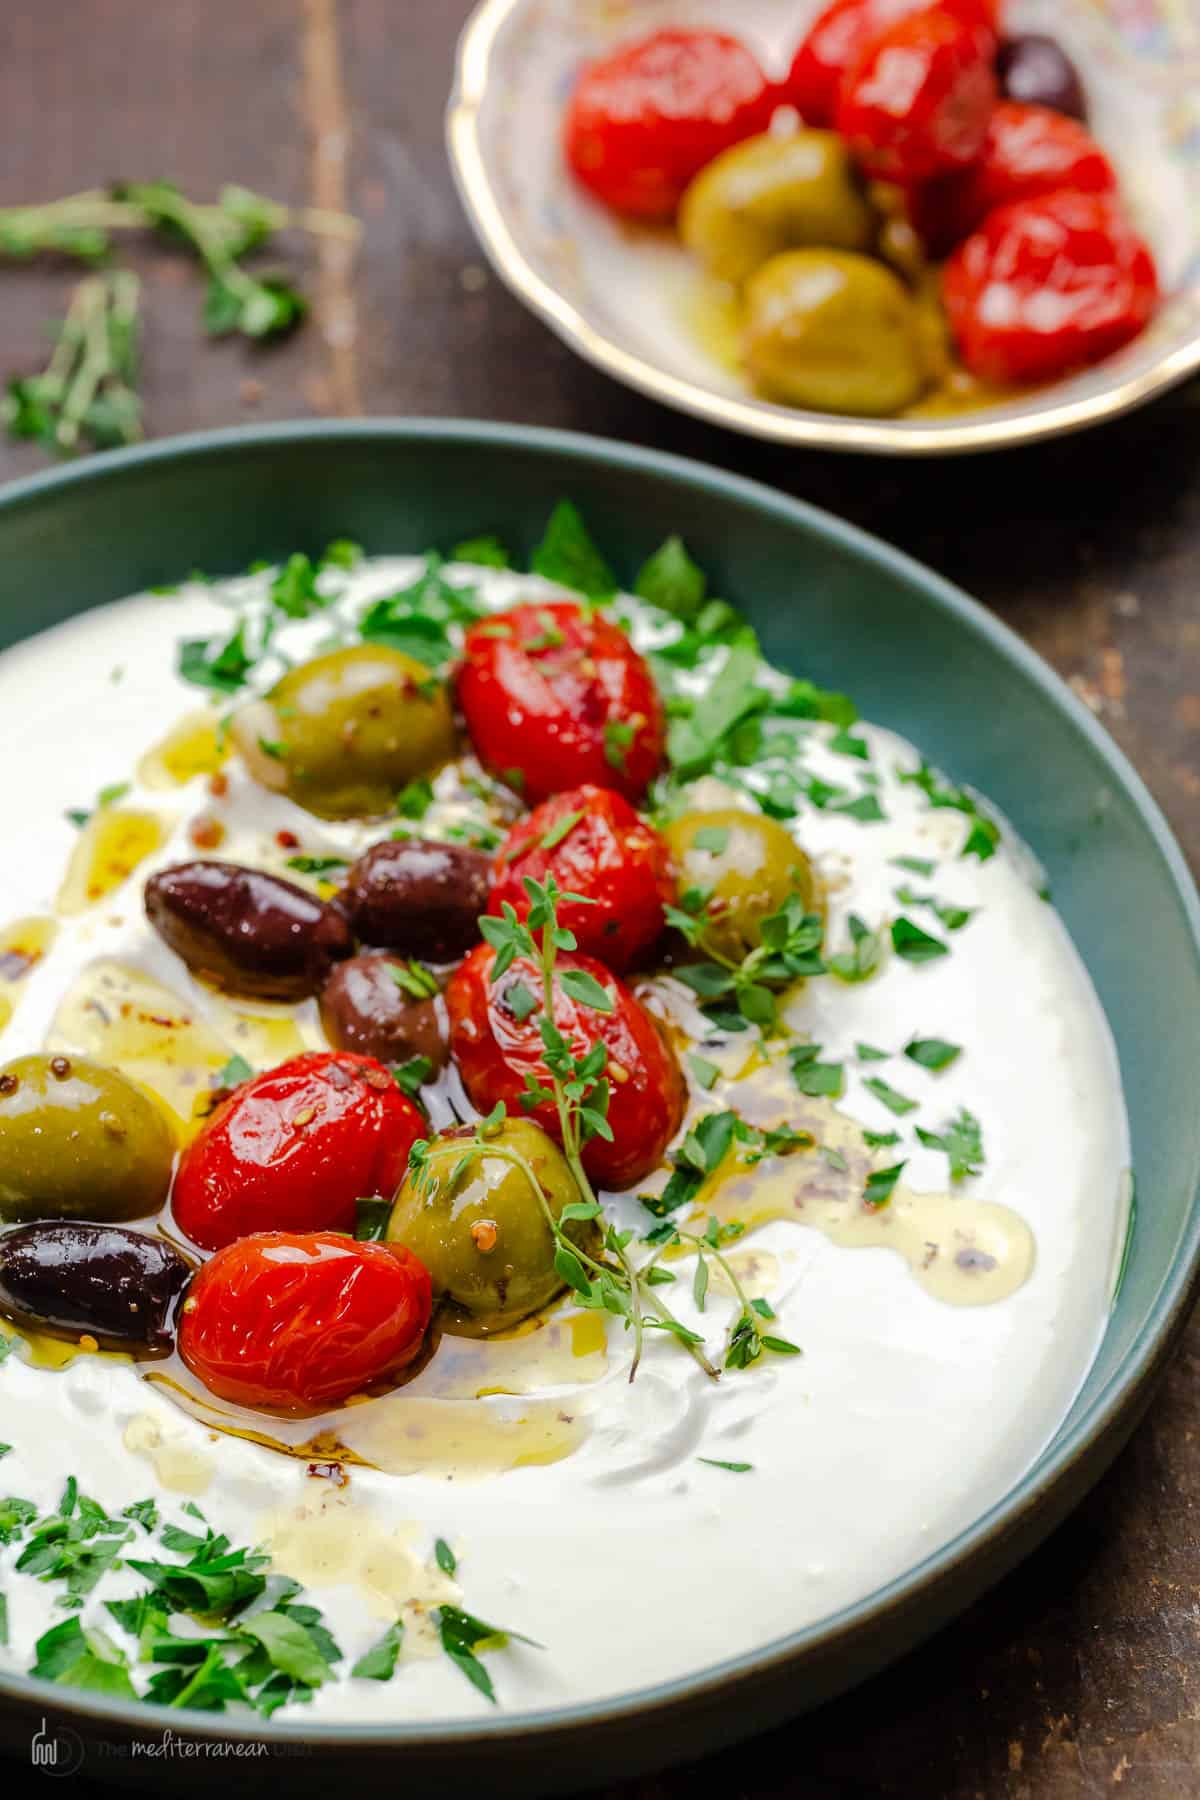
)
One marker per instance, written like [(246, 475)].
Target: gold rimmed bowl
[(631, 300)]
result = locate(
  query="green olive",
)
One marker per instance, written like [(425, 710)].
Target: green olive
[(484, 1237), (343, 733), (747, 865), (79, 1141), (771, 194), (833, 331)]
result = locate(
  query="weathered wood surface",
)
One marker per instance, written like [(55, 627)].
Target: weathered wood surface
[(1078, 1676)]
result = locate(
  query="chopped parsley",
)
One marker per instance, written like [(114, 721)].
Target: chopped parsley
[(705, 1073), (934, 1054), (371, 1215), (445, 1558), (414, 979), (554, 834), (671, 580), (983, 835), (486, 550), (415, 799), (734, 1468), (294, 590), (568, 556), (223, 667), (962, 1140), (890, 1097), (315, 865), (412, 1075), (881, 1184), (419, 620), (816, 1079), (379, 1662), (915, 945)]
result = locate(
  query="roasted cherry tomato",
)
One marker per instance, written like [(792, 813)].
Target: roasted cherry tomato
[(839, 37), (554, 696), (298, 1320), (293, 1149), (593, 843), (917, 102), (645, 120), (1047, 286), (1028, 151), (495, 1039)]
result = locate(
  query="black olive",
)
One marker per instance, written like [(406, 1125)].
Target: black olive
[(246, 931), (116, 1285), (1036, 71)]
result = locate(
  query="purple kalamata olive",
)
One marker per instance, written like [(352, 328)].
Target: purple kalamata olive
[(118, 1286), (367, 1006), (245, 931), (419, 898), (1038, 72)]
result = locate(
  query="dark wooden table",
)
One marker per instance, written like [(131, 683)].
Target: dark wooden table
[(1079, 1675)]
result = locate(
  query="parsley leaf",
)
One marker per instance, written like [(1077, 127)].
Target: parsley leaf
[(462, 1635), (915, 945), (932, 1053), (881, 1184), (671, 579), (73, 1657), (695, 735), (814, 1078), (417, 620), (371, 1215), (734, 1468), (891, 1097), (223, 667), (706, 1073), (962, 1140), (486, 550), (444, 1556), (568, 556), (379, 1662)]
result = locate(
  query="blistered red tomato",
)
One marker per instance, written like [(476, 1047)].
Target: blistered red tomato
[(1048, 285), (294, 1148), (496, 1042), (644, 121), (296, 1321), (593, 843), (1028, 151), (841, 35), (555, 696), (918, 101)]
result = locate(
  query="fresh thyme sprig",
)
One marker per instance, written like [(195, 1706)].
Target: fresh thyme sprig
[(789, 950), (745, 1340), (220, 235), (87, 394)]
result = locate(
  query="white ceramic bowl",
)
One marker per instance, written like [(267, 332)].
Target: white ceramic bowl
[(624, 297)]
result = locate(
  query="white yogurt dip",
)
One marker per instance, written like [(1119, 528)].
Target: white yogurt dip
[(611, 1542)]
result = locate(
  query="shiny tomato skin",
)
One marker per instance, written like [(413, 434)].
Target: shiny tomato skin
[(841, 35), (645, 120), (297, 1320), (294, 1148), (917, 103), (608, 854), (1028, 151), (1047, 286), (495, 1051), (555, 696)]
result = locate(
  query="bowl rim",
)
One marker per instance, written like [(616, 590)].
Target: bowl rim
[(756, 418), (1112, 1412)]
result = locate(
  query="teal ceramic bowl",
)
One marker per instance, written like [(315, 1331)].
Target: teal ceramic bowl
[(919, 656)]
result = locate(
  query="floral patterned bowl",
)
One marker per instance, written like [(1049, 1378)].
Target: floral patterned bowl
[(629, 299)]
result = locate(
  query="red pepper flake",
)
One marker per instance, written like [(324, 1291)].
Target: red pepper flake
[(287, 840)]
